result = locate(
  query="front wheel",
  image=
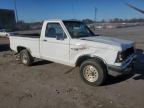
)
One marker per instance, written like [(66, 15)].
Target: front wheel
[(93, 72)]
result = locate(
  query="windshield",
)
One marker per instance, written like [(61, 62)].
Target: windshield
[(78, 29)]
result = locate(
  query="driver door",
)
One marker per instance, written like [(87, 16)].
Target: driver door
[(55, 43)]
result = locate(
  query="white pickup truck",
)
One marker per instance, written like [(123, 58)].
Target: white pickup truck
[(72, 43)]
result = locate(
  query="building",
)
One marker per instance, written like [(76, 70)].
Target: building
[(7, 19)]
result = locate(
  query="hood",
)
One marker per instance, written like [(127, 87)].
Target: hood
[(124, 44)]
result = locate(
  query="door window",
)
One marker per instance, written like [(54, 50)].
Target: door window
[(54, 30)]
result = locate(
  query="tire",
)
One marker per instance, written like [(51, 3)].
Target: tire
[(26, 58), (93, 72)]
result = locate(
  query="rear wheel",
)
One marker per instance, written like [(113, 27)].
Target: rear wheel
[(93, 72), (26, 58)]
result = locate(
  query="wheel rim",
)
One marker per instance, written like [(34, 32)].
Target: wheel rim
[(24, 59), (90, 73)]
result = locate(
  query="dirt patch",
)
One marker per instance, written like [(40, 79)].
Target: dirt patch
[(51, 85)]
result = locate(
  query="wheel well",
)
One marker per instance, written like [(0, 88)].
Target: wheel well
[(86, 57), (19, 48)]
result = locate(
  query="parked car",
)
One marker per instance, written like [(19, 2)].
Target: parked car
[(3, 33), (72, 43)]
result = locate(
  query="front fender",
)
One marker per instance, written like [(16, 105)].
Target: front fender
[(88, 56)]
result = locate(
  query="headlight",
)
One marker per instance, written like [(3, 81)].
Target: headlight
[(119, 57), (123, 55)]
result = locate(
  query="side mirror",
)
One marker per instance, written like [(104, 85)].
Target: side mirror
[(60, 37)]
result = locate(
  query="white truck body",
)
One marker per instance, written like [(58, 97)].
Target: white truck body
[(69, 50)]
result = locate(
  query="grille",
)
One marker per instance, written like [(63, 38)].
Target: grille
[(127, 53)]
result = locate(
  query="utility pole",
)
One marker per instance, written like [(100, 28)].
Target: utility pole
[(73, 9), (95, 13), (15, 8)]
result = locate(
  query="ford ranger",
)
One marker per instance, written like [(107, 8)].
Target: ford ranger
[(72, 43)]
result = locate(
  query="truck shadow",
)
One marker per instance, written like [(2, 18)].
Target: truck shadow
[(114, 80), (4, 47), (139, 65), (136, 74), (41, 62)]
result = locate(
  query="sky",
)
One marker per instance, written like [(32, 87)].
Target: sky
[(38, 10)]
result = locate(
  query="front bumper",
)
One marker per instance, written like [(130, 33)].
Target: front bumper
[(125, 68)]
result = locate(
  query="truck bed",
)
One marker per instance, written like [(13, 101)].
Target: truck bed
[(31, 42), (29, 34), (26, 35)]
